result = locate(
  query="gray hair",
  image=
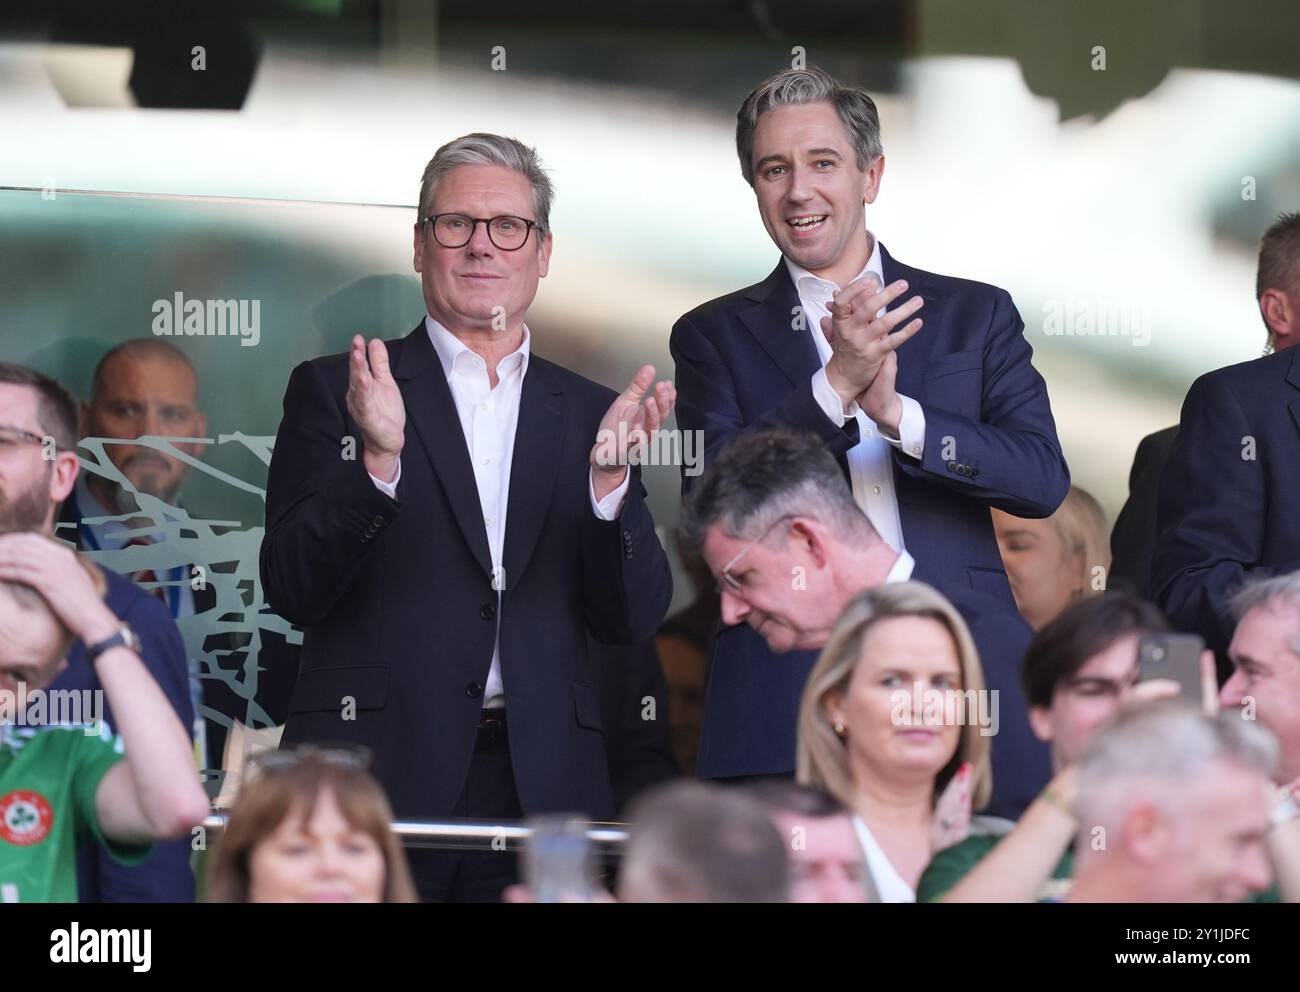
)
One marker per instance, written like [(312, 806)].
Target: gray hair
[(490, 149), (696, 842), (762, 476), (1152, 752), (798, 87), (1280, 590)]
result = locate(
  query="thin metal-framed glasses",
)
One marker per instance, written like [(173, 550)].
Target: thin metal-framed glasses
[(11, 437), (725, 578), (508, 233)]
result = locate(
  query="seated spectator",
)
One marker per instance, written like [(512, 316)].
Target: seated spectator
[(694, 842), (312, 826), (826, 861), (1265, 654), (909, 775), (1077, 671), (1055, 560), (59, 781), (1174, 807)]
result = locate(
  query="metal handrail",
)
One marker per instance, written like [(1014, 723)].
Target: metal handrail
[(472, 834)]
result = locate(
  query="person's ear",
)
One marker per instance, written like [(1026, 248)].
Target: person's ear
[(418, 247), (544, 255), (875, 172), (833, 707), (811, 538), (64, 476), (1144, 834), (1040, 722)]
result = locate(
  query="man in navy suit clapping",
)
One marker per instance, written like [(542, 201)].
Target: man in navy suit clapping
[(921, 385)]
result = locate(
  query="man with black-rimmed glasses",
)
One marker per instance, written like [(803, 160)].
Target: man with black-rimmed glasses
[(448, 515)]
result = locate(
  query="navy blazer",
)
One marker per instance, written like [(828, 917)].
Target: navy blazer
[(396, 598), (1226, 510), (741, 365), (166, 875)]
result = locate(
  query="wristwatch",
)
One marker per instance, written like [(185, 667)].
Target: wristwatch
[(125, 636)]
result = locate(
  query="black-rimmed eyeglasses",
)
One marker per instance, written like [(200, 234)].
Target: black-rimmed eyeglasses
[(455, 230)]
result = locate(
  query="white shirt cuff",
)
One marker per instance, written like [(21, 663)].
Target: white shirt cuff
[(389, 488), (911, 429), (609, 507), (829, 400)]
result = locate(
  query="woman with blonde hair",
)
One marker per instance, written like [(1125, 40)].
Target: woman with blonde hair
[(312, 826), (1052, 562), (891, 725)]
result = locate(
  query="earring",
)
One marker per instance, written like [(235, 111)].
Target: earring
[(839, 731)]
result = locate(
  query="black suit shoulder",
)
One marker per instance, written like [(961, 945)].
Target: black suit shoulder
[(730, 304), (573, 383), (1249, 381)]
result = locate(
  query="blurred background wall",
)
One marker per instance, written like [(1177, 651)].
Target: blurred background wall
[(1111, 164)]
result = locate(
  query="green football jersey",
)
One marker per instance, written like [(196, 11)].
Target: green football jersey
[(48, 780)]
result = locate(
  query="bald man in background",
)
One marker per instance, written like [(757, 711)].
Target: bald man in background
[(148, 387)]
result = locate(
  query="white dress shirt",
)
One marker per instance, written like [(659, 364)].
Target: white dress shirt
[(890, 885), (488, 418), (901, 570), (870, 471)]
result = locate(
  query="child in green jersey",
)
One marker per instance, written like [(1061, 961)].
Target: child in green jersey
[(63, 784)]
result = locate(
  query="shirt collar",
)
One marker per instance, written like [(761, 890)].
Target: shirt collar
[(450, 348), (902, 568), (815, 287)]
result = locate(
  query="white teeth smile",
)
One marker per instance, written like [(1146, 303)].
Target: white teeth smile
[(806, 223)]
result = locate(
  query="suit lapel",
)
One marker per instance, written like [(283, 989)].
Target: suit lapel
[(431, 413), (771, 322), (539, 449)]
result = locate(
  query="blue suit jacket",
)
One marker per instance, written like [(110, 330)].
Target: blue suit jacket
[(396, 597), (740, 365), (166, 875), (1226, 510)]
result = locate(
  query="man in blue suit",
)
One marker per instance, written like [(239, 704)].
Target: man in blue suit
[(790, 548), (933, 418), (448, 516), (1226, 506), (38, 439)]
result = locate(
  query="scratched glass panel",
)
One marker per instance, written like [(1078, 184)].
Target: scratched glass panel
[(224, 636)]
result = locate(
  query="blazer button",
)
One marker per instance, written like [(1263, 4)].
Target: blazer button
[(473, 690), (487, 611), (377, 522), (974, 471), (952, 466)]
